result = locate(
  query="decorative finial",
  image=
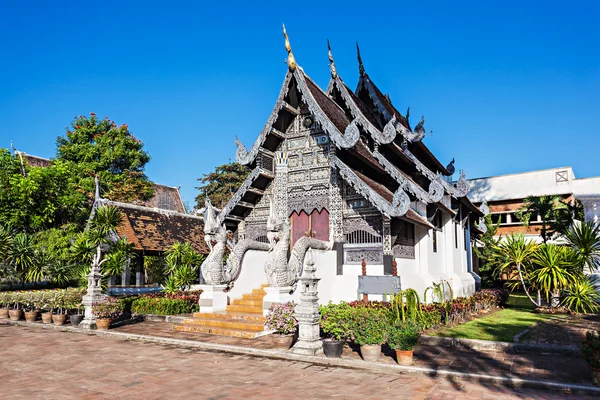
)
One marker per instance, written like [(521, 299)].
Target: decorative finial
[(291, 61), (331, 63), (361, 68)]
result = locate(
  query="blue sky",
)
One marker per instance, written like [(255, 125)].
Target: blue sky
[(505, 86)]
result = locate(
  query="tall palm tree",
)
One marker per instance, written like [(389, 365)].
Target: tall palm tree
[(517, 252), (558, 268), (547, 207)]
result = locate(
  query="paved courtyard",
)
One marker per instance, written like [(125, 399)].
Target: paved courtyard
[(50, 364)]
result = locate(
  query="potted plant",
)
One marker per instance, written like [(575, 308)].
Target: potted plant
[(105, 312), (403, 338), (280, 319), (4, 304), (16, 313), (368, 329), (60, 317), (336, 325), (47, 302), (76, 317), (590, 349), (30, 305)]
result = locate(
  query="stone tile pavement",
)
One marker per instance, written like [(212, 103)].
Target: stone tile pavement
[(524, 365), (50, 364)]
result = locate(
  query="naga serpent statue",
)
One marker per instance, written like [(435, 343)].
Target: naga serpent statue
[(281, 272), (214, 270)]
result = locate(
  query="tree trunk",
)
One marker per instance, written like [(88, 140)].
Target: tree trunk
[(555, 298), (525, 287), (539, 298)]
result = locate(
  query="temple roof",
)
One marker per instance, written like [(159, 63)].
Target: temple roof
[(166, 198), (153, 230)]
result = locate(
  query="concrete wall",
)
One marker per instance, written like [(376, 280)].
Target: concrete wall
[(252, 274)]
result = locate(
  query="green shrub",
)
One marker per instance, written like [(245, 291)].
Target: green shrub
[(162, 306), (403, 336), (369, 325), (581, 297), (336, 320)]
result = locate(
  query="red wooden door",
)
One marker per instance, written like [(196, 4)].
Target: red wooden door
[(315, 225), (319, 223), (300, 225)]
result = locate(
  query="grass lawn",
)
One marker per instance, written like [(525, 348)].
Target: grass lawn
[(501, 325)]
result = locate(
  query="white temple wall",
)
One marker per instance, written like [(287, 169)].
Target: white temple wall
[(252, 274)]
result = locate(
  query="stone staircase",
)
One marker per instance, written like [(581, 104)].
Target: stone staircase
[(243, 318)]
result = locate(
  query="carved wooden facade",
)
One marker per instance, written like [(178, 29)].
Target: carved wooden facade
[(343, 166)]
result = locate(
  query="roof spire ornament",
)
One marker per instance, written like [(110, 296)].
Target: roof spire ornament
[(361, 68), (291, 61), (331, 62)]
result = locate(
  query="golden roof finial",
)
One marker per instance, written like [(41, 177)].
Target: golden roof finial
[(291, 61), (361, 68), (331, 63)]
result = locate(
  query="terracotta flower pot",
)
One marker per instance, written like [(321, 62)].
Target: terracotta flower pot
[(15, 315), (59, 319), (404, 357), (595, 376), (284, 341), (3, 312), (370, 352), (31, 316), (102, 324), (47, 317)]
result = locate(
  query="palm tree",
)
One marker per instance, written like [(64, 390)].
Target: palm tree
[(584, 239), (547, 207), (22, 255), (517, 252), (557, 270)]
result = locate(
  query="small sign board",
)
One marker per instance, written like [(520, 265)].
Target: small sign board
[(378, 284)]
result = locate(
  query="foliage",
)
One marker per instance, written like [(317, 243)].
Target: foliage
[(439, 291), (41, 198), (485, 253), (590, 349), (406, 305), (369, 326), (98, 146), (281, 319), (182, 267), (404, 336), (162, 306), (584, 239), (336, 320), (516, 252), (581, 297), (221, 184), (556, 269), (117, 254), (57, 300), (549, 208), (110, 308)]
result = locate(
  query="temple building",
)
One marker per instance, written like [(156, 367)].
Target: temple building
[(506, 194), (343, 172)]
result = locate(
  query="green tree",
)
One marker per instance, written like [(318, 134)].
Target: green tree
[(98, 146), (549, 208), (516, 252), (557, 270), (41, 199), (221, 185), (99, 238), (22, 255)]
